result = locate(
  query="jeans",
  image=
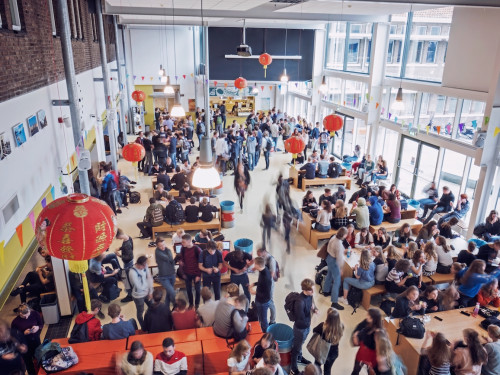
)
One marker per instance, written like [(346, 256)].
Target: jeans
[(250, 161), (190, 279), (262, 314), (350, 159), (266, 156), (448, 217), (168, 283), (285, 137), (360, 284), (314, 144), (426, 202), (272, 306), (113, 260), (332, 281), (200, 136), (243, 281), (333, 353), (139, 305), (322, 147), (433, 212), (257, 157), (275, 141), (378, 177), (213, 281), (148, 162), (146, 228), (322, 228), (173, 156), (266, 234), (299, 336)]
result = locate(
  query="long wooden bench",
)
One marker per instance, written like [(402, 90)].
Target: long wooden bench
[(294, 174), (199, 225), (389, 227), (439, 278), (317, 235), (369, 293), (342, 180)]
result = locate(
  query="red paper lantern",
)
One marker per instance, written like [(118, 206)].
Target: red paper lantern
[(265, 59), (240, 83), (133, 152), (295, 145), (138, 95), (77, 227), (333, 123)]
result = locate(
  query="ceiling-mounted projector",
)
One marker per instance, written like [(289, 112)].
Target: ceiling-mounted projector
[(243, 49)]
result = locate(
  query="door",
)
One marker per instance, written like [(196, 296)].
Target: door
[(416, 166), (341, 143)]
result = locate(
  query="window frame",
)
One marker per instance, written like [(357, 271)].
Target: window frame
[(52, 18), (350, 54), (435, 27), (15, 16), (434, 53)]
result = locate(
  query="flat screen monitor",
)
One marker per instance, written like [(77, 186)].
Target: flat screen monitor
[(226, 245), (178, 247)]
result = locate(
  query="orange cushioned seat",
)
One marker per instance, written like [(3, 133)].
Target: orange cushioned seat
[(156, 339), (207, 333), (192, 350), (98, 364), (62, 342)]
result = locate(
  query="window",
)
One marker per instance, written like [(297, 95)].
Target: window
[(368, 51), (417, 54), (390, 51), (94, 27), (471, 118), (431, 53), (352, 56), (435, 30), (14, 13), (52, 18), (355, 29), (396, 42), (421, 30), (393, 29), (438, 112), (336, 45), (79, 24)]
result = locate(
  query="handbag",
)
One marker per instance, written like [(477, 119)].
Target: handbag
[(318, 348), (323, 252)]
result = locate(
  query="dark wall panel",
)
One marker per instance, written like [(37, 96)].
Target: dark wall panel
[(224, 40)]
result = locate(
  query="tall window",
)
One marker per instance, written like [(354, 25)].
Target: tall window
[(431, 53), (397, 33), (78, 17), (52, 18), (14, 13), (352, 57), (336, 45)]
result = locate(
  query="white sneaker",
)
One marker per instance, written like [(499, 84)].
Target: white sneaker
[(343, 301)]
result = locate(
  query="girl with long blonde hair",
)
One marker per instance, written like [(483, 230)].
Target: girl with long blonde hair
[(364, 275), (239, 358), (331, 330)]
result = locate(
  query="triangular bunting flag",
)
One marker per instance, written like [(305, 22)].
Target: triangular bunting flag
[(376, 105), (427, 128), (354, 102), (2, 255), (496, 131), (78, 151), (461, 127), (367, 96), (395, 118), (438, 128), (279, 87), (262, 88), (73, 162), (474, 124), (32, 219), (403, 123), (382, 111), (225, 84), (192, 74), (128, 75), (176, 78), (159, 79), (142, 77), (271, 88), (19, 231), (389, 115), (150, 78), (44, 202), (486, 120), (296, 84), (344, 103), (53, 192), (215, 83), (135, 77), (184, 76)]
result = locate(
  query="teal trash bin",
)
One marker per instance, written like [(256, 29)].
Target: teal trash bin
[(283, 335), (414, 203), (244, 244), (227, 208)]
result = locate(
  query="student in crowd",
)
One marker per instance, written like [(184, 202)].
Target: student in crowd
[(12, 349), (158, 317), (36, 282), (206, 312), (164, 179), (177, 236), (445, 228), (443, 252), (492, 227), (304, 307), (364, 239), (309, 202), (360, 210), (335, 261), (90, 318), (126, 253), (459, 211), (489, 294), (29, 323), (166, 268), (203, 236), (263, 288), (210, 264), (153, 218), (182, 316), (229, 323), (445, 204), (323, 165), (340, 194), (267, 222), (118, 328), (388, 363), (395, 280), (432, 196), (138, 361), (471, 279), (364, 275), (449, 298), (364, 337), (340, 215), (431, 297), (155, 169), (190, 255), (488, 253), (492, 347), (354, 157), (265, 342), (431, 259), (410, 250), (141, 283), (170, 361), (179, 179), (438, 353), (428, 232), (394, 206), (407, 303), (402, 236), (207, 210), (392, 256), (468, 356), (160, 194), (309, 168), (169, 168), (327, 195), (381, 238), (350, 239), (272, 265), (238, 262), (382, 173), (416, 269), (381, 267), (324, 217), (270, 361), (192, 211), (375, 211), (331, 330), (238, 361)]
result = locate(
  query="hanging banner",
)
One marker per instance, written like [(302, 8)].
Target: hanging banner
[(53, 192), (32, 219), (496, 131), (19, 231)]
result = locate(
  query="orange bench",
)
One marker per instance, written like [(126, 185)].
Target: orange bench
[(156, 339), (97, 363), (193, 351), (207, 333)]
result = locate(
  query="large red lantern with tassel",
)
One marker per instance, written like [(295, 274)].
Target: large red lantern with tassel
[(240, 83), (295, 145), (138, 96), (133, 152), (333, 123), (265, 59)]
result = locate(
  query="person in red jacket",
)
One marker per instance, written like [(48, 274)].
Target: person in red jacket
[(489, 294), (93, 323), (189, 255)]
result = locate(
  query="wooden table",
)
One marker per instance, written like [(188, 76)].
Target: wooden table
[(293, 172), (451, 326)]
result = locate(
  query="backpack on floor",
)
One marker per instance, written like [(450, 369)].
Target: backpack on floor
[(354, 298), (387, 306), (135, 197), (65, 359), (290, 301), (79, 333), (252, 314), (320, 279)]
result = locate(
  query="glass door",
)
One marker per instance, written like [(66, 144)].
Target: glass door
[(427, 163)]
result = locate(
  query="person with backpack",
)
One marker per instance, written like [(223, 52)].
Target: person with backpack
[(210, 264), (230, 319), (126, 252), (263, 288), (153, 218), (92, 330), (238, 262), (200, 130), (174, 213), (190, 255), (299, 308), (158, 317), (108, 187), (141, 282), (335, 261), (268, 145), (324, 138)]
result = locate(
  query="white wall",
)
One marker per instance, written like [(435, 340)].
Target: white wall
[(31, 168)]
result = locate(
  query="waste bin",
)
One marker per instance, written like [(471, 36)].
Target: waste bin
[(244, 244), (283, 335), (50, 309), (227, 208)]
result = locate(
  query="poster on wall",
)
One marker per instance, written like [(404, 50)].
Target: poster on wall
[(4, 145), (42, 119), (191, 105), (19, 134), (32, 125)]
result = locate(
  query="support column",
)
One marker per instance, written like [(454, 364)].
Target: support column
[(318, 65), (131, 125), (111, 116), (121, 81)]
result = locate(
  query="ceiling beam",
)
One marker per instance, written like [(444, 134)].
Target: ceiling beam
[(468, 3)]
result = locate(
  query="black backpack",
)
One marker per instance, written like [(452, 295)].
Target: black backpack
[(411, 327), (387, 306), (135, 197), (354, 298), (479, 230), (179, 215), (336, 170), (290, 301), (269, 144), (79, 333)]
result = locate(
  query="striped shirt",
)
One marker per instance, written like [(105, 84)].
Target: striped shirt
[(394, 276)]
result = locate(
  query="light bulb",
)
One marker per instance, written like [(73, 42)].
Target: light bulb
[(206, 178), (178, 111), (161, 72), (284, 76), (169, 90)]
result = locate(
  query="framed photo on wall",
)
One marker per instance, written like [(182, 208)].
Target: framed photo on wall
[(42, 119), (32, 125), (5, 148), (19, 134)]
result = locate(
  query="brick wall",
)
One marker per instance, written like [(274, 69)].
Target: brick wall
[(31, 58)]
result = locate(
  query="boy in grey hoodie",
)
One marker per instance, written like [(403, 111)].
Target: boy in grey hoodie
[(142, 286)]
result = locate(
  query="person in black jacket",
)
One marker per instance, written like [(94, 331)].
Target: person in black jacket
[(164, 179), (407, 302), (158, 318), (178, 179), (172, 210), (192, 211), (467, 256), (364, 336), (263, 297), (303, 307), (241, 182), (445, 204), (207, 210), (488, 253)]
